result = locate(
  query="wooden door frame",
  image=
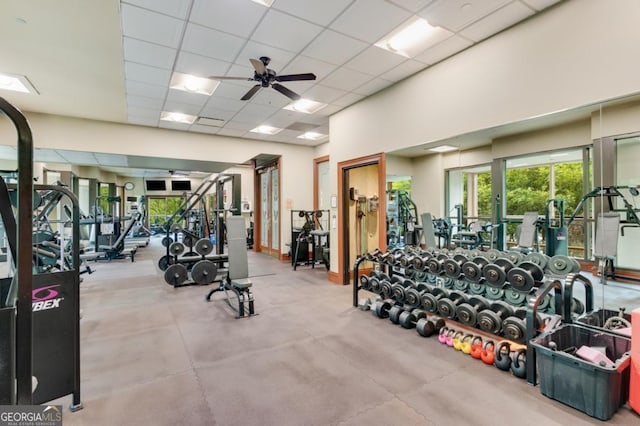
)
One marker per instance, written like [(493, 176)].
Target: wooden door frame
[(342, 275), (257, 211)]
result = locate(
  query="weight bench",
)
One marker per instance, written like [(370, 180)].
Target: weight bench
[(237, 284)]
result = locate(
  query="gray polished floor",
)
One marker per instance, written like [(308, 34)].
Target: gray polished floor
[(155, 355)]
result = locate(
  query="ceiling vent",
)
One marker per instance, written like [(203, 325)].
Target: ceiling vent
[(301, 127), (208, 121)]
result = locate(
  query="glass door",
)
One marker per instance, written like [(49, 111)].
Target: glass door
[(269, 213)]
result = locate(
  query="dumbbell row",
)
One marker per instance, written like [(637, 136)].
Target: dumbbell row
[(499, 355)]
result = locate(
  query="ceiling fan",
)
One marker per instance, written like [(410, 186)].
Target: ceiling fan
[(267, 77)]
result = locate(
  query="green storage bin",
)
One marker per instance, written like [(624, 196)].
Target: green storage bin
[(595, 390)]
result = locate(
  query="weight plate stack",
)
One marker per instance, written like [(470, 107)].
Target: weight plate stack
[(175, 274), (560, 265)]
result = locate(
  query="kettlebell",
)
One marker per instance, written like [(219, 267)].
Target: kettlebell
[(457, 340), (465, 346), (519, 363), (503, 360), (488, 354), (442, 336), (449, 339), (476, 347)]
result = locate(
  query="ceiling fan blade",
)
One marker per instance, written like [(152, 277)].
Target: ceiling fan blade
[(296, 77), (287, 92), (250, 93), (258, 65), (219, 77)]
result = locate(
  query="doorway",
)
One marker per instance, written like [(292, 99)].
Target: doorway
[(361, 210), (268, 213)]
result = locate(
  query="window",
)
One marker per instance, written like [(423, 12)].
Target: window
[(161, 209), (471, 189)]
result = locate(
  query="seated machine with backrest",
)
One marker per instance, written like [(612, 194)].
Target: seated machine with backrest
[(237, 285)]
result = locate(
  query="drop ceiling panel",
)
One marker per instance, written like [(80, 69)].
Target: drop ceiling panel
[(204, 129), (215, 44), (334, 48), (375, 61), (201, 66), (142, 102), (270, 98), (497, 21), (243, 125), (285, 31), (150, 26), (443, 50), (411, 5), (303, 64), (231, 132), (176, 8), (146, 53), (348, 99), (221, 114), (323, 94), (372, 86), (231, 16), (404, 70), (370, 20), (147, 74), (151, 113), (232, 91), (48, 156), (143, 121), (137, 88), (540, 4), (254, 50), (226, 104), (78, 157), (457, 14), (187, 98), (346, 79), (257, 110), (328, 110), (173, 125), (111, 159), (182, 107), (319, 12)]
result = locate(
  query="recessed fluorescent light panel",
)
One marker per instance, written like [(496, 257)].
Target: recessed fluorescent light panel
[(413, 37), (16, 83), (266, 130), (443, 148), (192, 84), (306, 106), (266, 3), (214, 122), (312, 136), (177, 117)]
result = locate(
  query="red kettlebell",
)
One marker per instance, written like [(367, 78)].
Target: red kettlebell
[(488, 355), (476, 347), (442, 336), (503, 360)]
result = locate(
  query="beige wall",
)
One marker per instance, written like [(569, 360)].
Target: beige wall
[(398, 166), (616, 120)]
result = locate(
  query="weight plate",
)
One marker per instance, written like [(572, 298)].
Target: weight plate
[(446, 308), (467, 314), (398, 292), (475, 288), (447, 282), (394, 314), (537, 258), (451, 268), (520, 279), (493, 293), (421, 276), (429, 303), (407, 319), (560, 265), (546, 303), (176, 248), (494, 275), (474, 253), (166, 241), (514, 256), (203, 246), (535, 270), (175, 274), (514, 328), (374, 285), (577, 307), (513, 297), (418, 263), (163, 262), (187, 240), (413, 298), (204, 272), (434, 265), (385, 289), (493, 254), (489, 321), (176, 227), (505, 263), (382, 309), (431, 278), (364, 282), (472, 271), (461, 285), (576, 265)]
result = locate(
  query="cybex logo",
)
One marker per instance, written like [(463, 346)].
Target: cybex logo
[(45, 298)]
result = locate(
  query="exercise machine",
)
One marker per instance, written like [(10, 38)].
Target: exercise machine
[(403, 227)]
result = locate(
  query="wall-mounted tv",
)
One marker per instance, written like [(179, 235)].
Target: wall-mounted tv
[(181, 185), (156, 185)]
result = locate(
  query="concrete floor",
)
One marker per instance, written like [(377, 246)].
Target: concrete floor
[(155, 355)]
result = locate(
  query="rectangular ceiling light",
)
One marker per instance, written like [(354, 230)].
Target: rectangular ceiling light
[(306, 106), (266, 3), (207, 121), (177, 117), (312, 136), (16, 83), (192, 84), (266, 130), (413, 37), (443, 148)]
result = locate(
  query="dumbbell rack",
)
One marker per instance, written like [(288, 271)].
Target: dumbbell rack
[(562, 299)]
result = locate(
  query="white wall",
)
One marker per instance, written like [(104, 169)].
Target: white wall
[(616, 120), (398, 166)]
